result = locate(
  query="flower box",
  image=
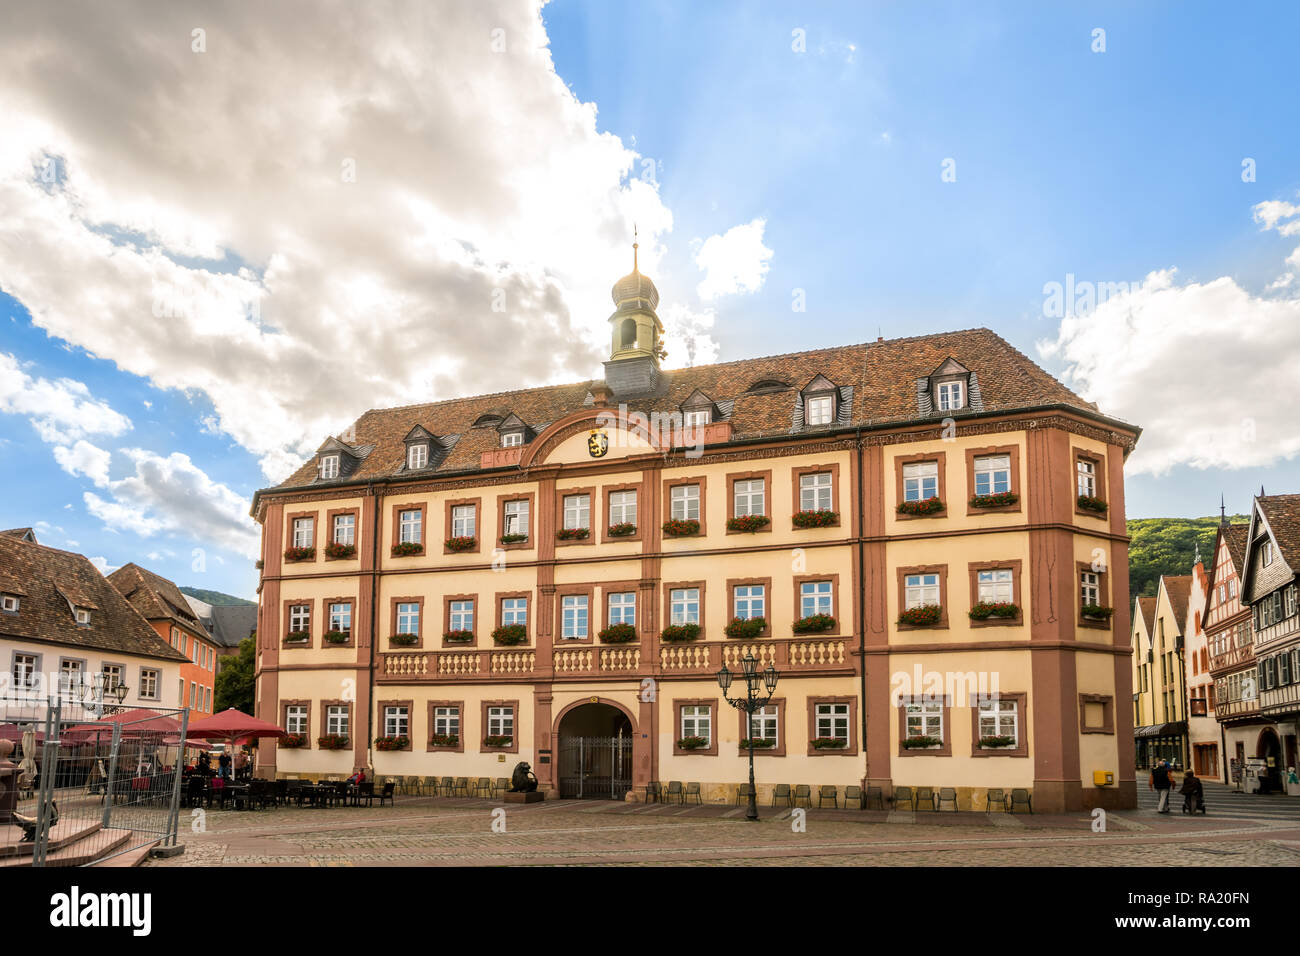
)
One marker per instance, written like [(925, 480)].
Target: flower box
[(997, 742), (337, 637), (675, 633), (403, 640), (1089, 503), (340, 551), (758, 743), (829, 743), (930, 506), (748, 523), (445, 740), (922, 743), (923, 615), (497, 740), (813, 624), (681, 527), (1095, 612), (693, 743), (462, 543), (458, 637), (1002, 499), (510, 634), (294, 741), (297, 637), (513, 538), (621, 633), (984, 610), (746, 627), (333, 742), (401, 742), (404, 549), (299, 554), (621, 530), (572, 534), (815, 519)]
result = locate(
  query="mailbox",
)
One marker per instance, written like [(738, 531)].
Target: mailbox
[(1103, 778)]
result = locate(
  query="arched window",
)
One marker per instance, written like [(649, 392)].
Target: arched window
[(627, 335)]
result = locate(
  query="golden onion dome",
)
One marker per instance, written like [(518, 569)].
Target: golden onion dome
[(634, 288)]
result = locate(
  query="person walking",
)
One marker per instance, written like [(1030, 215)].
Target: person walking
[(1160, 782), (1193, 793)]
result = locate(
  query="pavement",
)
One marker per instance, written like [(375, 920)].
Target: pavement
[(1239, 830)]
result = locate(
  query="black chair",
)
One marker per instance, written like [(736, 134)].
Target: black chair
[(801, 792), (853, 794), (281, 792), (1021, 798), (828, 792), (652, 791), (875, 799), (674, 790), (366, 792), (948, 795), (194, 792), (904, 795), (926, 795), (692, 790), (742, 793), (781, 792), (996, 797), (386, 794)]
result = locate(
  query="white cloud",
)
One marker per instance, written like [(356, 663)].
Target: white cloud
[(475, 171), (1204, 368), (171, 495), (83, 458), (735, 261), (61, 410), (101, 562)]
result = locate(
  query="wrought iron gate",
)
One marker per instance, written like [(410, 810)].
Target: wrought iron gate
[(595, 768)]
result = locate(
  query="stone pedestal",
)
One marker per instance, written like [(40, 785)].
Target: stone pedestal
[(535, 797)]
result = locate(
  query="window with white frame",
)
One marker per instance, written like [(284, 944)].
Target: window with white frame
[(341, 617), (516, 517), (684, 503), (514, 611), (622, 608), (71, 677), (695, 417), (194, 695), (814, 598), (300, 617), (1232, 588), (1290, 600), (1089, 588), (920, 589), (992, 474), (295, 718), (573, 616), (336, 719), (815, 492), (952, 395), (111, 676), (24, 671), (345, 529), (329, 466), (622, 507), (417, 456), (9, 603), (207, 699), (463, 521), (920, 480), (446, 720), (501, 721), (750, 600), (512, 439), (302, 532), (82, 615), (410, 526), (764, 723), (461, 615), (148, 683), (697, 721), (1000, 718), (397, 721), (408, 618), (1266, 553), (577, 512), (925, 720), (820, 410), (750, 497), (996, 586), (684, 606), (1087, 477), (832, 720)]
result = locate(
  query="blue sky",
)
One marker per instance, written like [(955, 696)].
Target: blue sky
[(1105, 165)]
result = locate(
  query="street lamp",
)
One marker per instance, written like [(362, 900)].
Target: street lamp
[(755, 682)]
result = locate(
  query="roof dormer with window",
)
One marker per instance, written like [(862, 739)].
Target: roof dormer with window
[(951, 387), (699, 409), (514, 431), (336, 460), (422, 449), (819, 403)]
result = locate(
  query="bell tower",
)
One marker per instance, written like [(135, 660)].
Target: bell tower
[(635, 346)]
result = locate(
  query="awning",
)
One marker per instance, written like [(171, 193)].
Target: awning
[(1176, 729)]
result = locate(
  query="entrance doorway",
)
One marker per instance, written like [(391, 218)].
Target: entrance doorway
[(1270, 749), (595, 753)]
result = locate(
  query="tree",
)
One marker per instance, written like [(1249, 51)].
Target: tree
[(235, 682)]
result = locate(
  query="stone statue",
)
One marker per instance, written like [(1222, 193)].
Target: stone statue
[(29, 823), (523, 780)]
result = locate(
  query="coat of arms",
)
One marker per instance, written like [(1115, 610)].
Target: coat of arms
[(597, 443)]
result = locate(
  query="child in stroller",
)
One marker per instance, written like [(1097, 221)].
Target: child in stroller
[(1193, 794)]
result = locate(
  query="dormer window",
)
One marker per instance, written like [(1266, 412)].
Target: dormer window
[(417, 456), (329, 467), (82, 615), (697, 416), (952, 395), (9, 603), (1266, 553), (512, 439), (821, 410)]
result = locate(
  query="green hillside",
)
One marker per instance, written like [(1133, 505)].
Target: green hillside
[(217, 598), (1167, 546)]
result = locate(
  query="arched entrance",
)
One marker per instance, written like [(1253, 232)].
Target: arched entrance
[(1269, 749), (595, 752)]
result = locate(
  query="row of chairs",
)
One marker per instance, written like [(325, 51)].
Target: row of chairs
[(938, 798), (487, 787), (854, 797)]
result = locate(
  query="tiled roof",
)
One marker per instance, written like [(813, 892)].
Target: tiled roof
[(1235, 537), (1148, 608), (232, 623), (46, 574), (1283, 515), (1179, 588), (155, 597), (20, 533), (880, 379)]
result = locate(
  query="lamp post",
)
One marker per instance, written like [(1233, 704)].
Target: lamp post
[(94, 694), (755, 683)]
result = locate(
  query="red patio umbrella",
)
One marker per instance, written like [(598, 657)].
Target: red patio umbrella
[(141, 720), (232, 725)]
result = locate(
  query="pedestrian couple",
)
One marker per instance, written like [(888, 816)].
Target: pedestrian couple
[(1162, 783)]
